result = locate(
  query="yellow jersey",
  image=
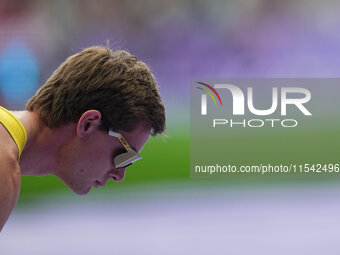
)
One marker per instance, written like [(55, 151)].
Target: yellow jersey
[(15, 128)]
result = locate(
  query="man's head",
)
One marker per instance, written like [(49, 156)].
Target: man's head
[(97, 90)]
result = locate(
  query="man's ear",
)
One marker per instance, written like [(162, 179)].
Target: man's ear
[(88, 123)]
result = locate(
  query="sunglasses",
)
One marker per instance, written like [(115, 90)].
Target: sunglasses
[(127, 158)]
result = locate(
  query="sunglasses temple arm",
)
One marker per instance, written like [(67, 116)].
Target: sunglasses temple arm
[(121, 139)]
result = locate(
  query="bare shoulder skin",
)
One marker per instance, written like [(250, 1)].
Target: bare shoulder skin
[(9, 175)]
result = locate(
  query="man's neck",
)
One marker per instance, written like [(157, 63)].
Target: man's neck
[(42, 146)]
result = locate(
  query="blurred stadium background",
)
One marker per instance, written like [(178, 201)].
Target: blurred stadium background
[(158, 209)]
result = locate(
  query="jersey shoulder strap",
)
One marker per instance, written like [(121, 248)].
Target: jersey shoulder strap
[(15, 128)]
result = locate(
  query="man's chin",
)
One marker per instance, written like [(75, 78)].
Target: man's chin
[(76, 187), (81, 192)]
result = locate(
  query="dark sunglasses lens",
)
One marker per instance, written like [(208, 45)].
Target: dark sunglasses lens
[(127, 165)]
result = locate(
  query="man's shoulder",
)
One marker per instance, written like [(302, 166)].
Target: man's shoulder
[(8, 148), (9, 175), (9, 166)]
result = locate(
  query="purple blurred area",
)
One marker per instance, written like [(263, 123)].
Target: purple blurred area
[(180, 40)]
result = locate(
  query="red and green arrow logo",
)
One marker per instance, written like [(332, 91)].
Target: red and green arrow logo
[(209, 93)]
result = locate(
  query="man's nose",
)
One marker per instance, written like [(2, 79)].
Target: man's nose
[(118, 174)]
